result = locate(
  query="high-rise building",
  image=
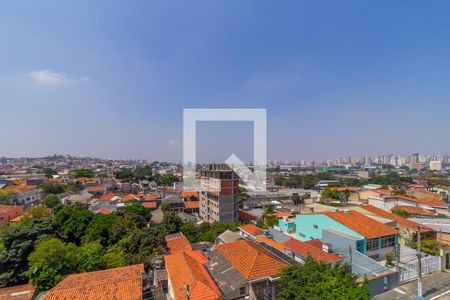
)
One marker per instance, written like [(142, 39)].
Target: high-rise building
[(435, 165), (219, 195), (413, 160)]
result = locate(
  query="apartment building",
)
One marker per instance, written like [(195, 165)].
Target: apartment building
[(219, 196)]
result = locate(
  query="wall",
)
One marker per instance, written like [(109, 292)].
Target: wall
[(305, 225)]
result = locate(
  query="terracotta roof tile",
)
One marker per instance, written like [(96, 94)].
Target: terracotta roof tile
[(17, 292), (186, 269), (186, 194), (427, 201), (251, 229), (362, 224), (150, 197), (388, 215), (191, 204), (277, 245), (246, 216), (119, 283), (414, 210), (149, 205), (178, 243), (307, 249), (251, 260), (102, 211)]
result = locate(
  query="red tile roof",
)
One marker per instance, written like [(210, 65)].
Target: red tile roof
[(191, 204), (307, 249), (150, 197), (427, 201), (246, 216), (400, 220), (107, 197), (149, 205), (277, 245), (178, 243), (102, 211), (251, 229), (186, 270), (280, 215), (251, 260), (361, 224), (414, 210), (119, 283), (186, 194), (17, 292), (95, 188)]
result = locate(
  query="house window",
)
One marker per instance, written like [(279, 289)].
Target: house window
[(301, 235), (372, 245), (316, 227), (242, 290), (387, 241)]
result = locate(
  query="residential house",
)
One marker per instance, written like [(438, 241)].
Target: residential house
[(258, 266), (374, 238), (250, 231), (18, 292), (27, 197), (9, 212), (425, 194), (407, 228), (119, 283), (388, 202), (187, 276)]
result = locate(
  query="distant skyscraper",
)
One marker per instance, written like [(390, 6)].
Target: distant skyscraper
[(413, 160)]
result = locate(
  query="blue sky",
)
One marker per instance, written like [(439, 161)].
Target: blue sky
[(111, 78)]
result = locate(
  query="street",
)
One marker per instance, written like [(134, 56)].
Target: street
[(435, 286)]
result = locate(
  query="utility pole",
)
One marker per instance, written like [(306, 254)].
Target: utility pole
[(419, 258)]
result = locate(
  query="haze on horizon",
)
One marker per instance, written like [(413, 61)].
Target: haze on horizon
[(111, 79)]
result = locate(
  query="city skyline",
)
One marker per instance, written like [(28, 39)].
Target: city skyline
[(114, 82)]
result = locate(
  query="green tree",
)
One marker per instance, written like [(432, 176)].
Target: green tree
[(142, 172), (269, 209), (105, 229), (52, 188), (51, 201), (18, 242), (172, 223), (295, 197), (82, 173), (115, 257), (89, 257), (6, 196), (169, 179), (138, 209), (50, 263), (49, 172), (319, 281), (401, 213), (165, 207), (72, 221), (270, 220), (124, 174), (329, 193), (190, 231)]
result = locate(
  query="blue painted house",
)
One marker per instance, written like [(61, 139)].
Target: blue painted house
[(370, 237)]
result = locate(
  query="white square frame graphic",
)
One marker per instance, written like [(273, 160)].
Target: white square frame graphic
[(256, 115)]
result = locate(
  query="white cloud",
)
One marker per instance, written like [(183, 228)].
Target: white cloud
[(51, 77), (172, 143)]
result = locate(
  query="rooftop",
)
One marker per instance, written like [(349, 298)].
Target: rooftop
[(251, 229), (361, 224), (187, 271), (251, 260), (118, 283)]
